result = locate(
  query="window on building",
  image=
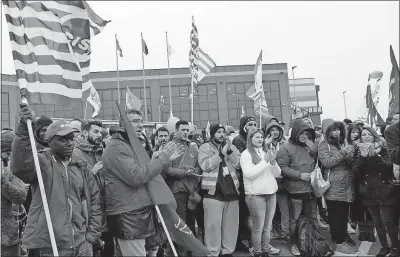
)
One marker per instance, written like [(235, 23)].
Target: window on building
[(109, 110), (5, 111), (205, 104), (58, 111), (236, 95)]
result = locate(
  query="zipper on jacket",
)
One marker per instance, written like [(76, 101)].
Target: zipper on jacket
[(69, 202)]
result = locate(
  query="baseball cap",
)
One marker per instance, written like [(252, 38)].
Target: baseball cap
[(229, 129), (59, 128)]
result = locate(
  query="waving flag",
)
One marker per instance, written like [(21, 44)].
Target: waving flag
[(394, 87), (94, 100), (119, 49), (144, 47), (162, 196), (50, 43), (132, 102)]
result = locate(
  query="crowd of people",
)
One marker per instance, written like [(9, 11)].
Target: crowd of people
[(235, 189)]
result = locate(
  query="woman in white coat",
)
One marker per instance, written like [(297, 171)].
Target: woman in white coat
[(260, 171)]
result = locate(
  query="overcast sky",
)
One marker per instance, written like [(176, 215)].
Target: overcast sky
[(337, 43)]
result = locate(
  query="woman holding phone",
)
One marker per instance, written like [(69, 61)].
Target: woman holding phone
[(374, 175), (259, 176)]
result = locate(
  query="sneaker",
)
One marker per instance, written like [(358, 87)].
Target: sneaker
[(284, 239), (273, 251), (350, 241), (251, 251), (345, 250), (383, 252), (394, 252), (294, 250), (350, 230)]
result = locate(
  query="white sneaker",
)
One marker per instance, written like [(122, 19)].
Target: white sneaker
[(273, 251), (251, 251), (294, 250), (350, 230)]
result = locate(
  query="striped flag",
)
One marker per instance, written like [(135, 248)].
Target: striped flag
[(144, 47), (118, 46), (200, 63), (394, 87), (94, 100), (170, 51), (50, 43)]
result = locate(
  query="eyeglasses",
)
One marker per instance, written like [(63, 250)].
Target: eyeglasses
[(254, 124)]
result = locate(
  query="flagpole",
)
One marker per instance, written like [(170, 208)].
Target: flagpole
[(261, 107), (169, 78), (192, 99), (116, 54), (85, 110), (144, 82)]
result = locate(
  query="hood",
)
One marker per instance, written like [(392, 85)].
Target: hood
[(268, 120), (325, 124), (342, 137), (243, 121), (42, 121), (309, 120), (85, 146), (274, 124), (299, 126)]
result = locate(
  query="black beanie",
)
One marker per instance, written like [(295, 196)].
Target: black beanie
[(42, 121), (214, 127)]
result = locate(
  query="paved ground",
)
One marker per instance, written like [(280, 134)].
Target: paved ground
[(365, 248)]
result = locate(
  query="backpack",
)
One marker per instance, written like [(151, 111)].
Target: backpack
[(310, 242)]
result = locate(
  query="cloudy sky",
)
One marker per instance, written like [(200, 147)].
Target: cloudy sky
[(337, 43)]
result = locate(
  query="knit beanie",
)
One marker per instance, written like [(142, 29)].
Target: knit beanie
[(7, 137), (42, 121), (214, 128)]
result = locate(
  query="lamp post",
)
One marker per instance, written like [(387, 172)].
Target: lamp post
[(294, 84), (238, 106), (344, 101)]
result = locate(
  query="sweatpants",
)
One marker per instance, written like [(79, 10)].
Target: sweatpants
[(132, 247), (283, 203), (338, 221), (221, 225)]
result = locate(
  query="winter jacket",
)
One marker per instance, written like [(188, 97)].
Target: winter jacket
[(374, 175), (98, 174), (176, 177), (13, 191), (295, 158), (259, 179), (72, 195), (335, 163), (129, 207), (392, 134), (85, 153), (210, 160), (240, 141)]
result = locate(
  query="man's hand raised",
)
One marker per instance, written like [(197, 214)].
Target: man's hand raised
[(171, 151), (25, 113)]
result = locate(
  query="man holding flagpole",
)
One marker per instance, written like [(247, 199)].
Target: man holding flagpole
[(130, 209)]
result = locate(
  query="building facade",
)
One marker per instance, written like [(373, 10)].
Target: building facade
[(304, 94), (218, 98)]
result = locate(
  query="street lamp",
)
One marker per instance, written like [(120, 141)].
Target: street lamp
[(238, 106), (344, 101), (294, 84)]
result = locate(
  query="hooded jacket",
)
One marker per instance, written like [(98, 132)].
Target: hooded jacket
[(267, 129), (336, 163), (240, 141), (392, 134), (72, 195), (40, 123), (128, 203), (295, 158), (85, 153)]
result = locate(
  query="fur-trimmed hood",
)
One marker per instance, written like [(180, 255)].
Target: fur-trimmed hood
[(328, 126)]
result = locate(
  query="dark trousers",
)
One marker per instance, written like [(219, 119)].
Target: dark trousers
[(108, 249), (12, 251), (384, 219), (338, 221)]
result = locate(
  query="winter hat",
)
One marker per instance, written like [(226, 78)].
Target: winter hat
[(7, 137), (42, 121), (214, 128)]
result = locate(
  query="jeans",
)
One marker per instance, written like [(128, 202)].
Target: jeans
[(84, 250), (384, 219), (338, 221), (131, 247), (262, 210), (297, 206), (221, 225), (283, 203), (14, 250)]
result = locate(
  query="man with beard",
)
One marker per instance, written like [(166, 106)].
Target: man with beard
[(219, 160), (70, 189), (161, 137), (240, 142), (183, 177), (88, 147), (40, 130)]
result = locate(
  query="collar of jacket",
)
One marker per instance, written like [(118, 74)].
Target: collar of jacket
[(84, 145)]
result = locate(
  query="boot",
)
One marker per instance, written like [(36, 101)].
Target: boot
[(394, 252), (383, 252), (362, 228), (370, 231)]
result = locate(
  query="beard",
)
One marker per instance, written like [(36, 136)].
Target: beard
[(94, 141), (219, 140)]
